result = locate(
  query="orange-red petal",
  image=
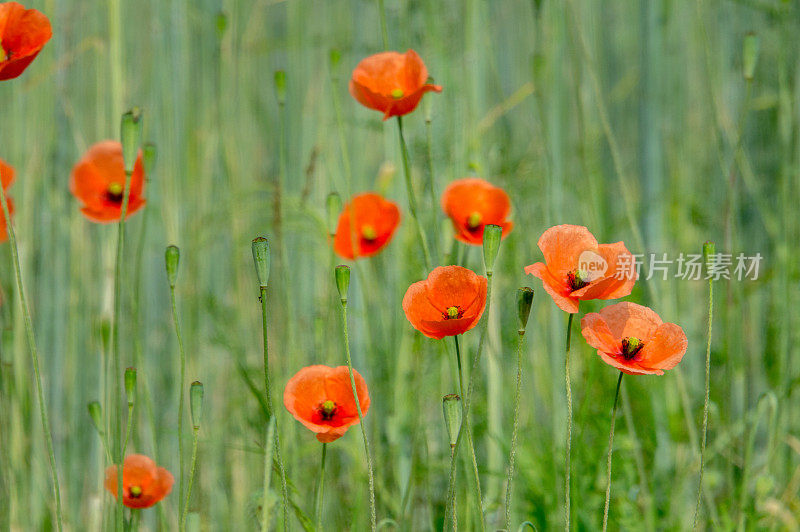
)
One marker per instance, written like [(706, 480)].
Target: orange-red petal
[(465, 197), (23, 33), (368, 209), (141, 472)]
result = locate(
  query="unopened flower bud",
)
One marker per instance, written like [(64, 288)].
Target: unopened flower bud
[(491, 244), (333, 206), (172, 257), (130, 386), (709, 249), (261, 260), (750, 51), (280, 85), (96, 413), (131, 137), (524, 302), (451, 404), (343, 281), (196, 403)]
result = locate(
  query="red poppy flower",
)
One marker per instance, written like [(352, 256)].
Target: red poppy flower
[(473, 203), (577, 268), (449, 302), (23, 34), (375, 222), (391, 82), (98, 182), (7, 176), (143, 484), (633, 339), (321, 398)]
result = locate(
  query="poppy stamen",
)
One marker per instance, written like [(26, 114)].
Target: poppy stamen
[(114, 192), (135, 492), (576, 280), (369, 233), (474, 220), (453, 313), (3, 54), (397, 94), (327, 410), (631, 347)]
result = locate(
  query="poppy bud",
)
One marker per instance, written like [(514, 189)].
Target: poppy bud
[(172, 256), (280, 85), (131, 135), (335, 57), (196, 403), (491, 245), (709, 248), (333, 206), (130, 386), (451, 404), (96, 413), (524, 302), (750, 55), (261, 260), (149, 157), (343, 281), (221, 23)]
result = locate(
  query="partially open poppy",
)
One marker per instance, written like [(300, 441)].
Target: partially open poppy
[(143, 484), (375, 222), (577, 268), (633, 339), (391, 82), (23, 34), (98, 182), (7, 176), (321, 398), (471, 204), (449, 302)]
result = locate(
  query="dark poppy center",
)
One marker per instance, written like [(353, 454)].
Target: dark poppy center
[(577, 279), (327, 410), (474, 221), (631, 347), (114, 193), (369, 233), (135, 492), (453, 313)]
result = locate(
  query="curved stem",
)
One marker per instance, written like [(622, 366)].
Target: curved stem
[(277, 445), (512, 452), (372, 516), (181, 464), (192, 467), (320, 488), (412, 198), (705, 402), (610, 447), (26, 314), (569, 424), (452, 504)]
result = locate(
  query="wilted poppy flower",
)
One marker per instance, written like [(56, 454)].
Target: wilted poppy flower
[(321, 398), (98, 182), (7, 176), (23, 34), (576, 268), (633, 339), (391, 82), (449, 302), (375, 221), (143, 484), (473, 203)]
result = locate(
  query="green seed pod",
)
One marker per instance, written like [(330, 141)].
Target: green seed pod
[(280, 85), (131, 136), (750, 52), (261, 260), (524, 302), (196, 403), (96, 413), (130, 386), (709, 248), (172, 257), (491, 244), (149, 158), (343, 281), (333, 207), (451, 405)]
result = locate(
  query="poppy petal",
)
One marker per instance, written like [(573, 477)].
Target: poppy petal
[(665, 348)]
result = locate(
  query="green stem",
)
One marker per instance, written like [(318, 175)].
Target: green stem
[(182, 378), (373, 523), (569, 424), (26, 313), (128, 427), (320, 487), (115, 345), (192, 467), (452, 504), (610, 447), (412, 199), (269, 447), (705, 402), (514, 432), (470, 442), (384, 30), (268, 394), (451, 491)]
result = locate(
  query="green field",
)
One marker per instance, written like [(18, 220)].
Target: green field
[(633, 118)]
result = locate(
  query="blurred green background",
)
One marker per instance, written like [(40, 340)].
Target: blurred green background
[(631, 117)]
